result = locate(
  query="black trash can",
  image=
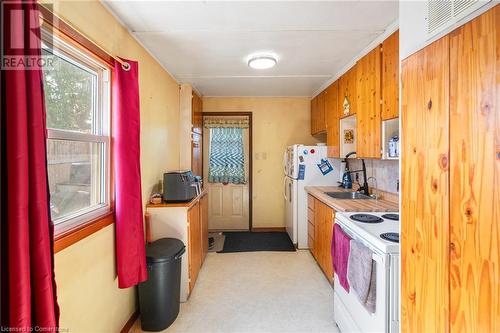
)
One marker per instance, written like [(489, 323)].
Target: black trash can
[(159, 295)]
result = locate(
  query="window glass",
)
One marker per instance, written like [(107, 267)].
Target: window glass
[(77, 108), (69, 95)]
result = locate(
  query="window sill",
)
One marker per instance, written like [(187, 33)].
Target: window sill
[(72, 236)]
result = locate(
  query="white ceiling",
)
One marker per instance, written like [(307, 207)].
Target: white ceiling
[(207, 43)]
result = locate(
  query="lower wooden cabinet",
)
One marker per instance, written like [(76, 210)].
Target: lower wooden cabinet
[(321, 218), (204, 225), (189, 223), (198, 238)]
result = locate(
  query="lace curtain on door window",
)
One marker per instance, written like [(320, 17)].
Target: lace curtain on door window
[(227, 159)]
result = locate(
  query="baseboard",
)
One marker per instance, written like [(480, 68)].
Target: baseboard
[(275, 229), (130, 322)]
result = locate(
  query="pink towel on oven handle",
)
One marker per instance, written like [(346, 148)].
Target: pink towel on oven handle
[(340, 254)]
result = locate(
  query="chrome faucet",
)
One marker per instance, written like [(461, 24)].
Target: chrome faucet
[(365, 189)]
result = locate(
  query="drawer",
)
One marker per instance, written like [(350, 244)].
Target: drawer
[(310, 201), (310, 230), (310, 216)]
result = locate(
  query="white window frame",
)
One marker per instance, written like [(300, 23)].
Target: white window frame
[(100, 132)]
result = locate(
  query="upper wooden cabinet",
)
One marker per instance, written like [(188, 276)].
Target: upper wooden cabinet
[(332, 118), (390, 77), (197, 109), (347, 92), (318, 124), (368, 122)]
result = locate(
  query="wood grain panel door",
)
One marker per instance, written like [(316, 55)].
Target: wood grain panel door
[(195, 247), (425, 190), (347, 90), (368, 119), (390, 77), (196, 109), (204, 225), (314, 115), (332, 119), (320, 122), (197, 154), (475, 175), (323, 227)]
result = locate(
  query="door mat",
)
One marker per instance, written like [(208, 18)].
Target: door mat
[(247, 241)]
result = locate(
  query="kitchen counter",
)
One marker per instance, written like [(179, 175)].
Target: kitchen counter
[(351, 205), (187, 204)]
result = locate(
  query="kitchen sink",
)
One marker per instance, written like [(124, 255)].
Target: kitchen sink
[(347, 195)]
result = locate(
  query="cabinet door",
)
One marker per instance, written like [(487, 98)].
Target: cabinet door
[(310, 224), (323, 224), (197, 154), (195, 249), (332, 118), (196, 109), (204, 225), (368, 122), (347, 92), (475, 175), (424, 187), (314, 103), (390, 77), (320, 122)]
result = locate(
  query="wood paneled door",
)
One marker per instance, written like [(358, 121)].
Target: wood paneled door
[(332, 118), (475, 175), (451, 182), (424, 186), (368, 122), (195, 246), (390, 77), (347, 90)]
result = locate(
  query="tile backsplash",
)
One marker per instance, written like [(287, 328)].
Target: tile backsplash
[(386, 172)]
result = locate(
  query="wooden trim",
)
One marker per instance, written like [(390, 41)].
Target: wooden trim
[(82, 231), (130, 322), (273, 229), (55, 22), (250, 153)]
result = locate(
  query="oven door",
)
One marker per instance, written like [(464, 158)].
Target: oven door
[(350, 315)]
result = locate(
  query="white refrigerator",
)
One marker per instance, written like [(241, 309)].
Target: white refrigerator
[(301, 170)]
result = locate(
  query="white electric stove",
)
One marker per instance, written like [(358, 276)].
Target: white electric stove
[(380, 233)]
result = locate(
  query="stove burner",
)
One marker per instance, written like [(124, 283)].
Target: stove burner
[(366, 218), (394, 217), (390, 236)]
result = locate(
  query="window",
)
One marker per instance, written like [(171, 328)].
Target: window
[(77, 90)]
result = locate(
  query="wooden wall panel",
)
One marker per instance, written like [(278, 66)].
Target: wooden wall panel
[(332, 118), (390, 77), (475, 175), (368, 142), (425, 190)]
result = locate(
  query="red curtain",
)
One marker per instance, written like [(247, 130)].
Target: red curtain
[(130, 250), (29, 291)]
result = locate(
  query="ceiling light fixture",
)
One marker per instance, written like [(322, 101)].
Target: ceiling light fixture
[(262, 62)]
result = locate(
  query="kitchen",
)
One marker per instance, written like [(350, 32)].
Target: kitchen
[(343, 159)]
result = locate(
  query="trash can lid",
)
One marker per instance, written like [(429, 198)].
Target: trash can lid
[(164, 249)]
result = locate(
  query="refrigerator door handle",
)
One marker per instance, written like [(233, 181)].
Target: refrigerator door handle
[(284, 188)]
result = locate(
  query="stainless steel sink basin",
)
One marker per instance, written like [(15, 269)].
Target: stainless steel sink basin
[(347, 195)]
